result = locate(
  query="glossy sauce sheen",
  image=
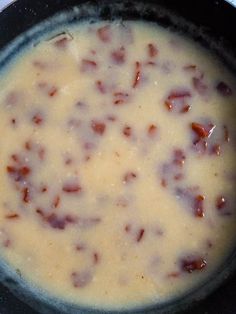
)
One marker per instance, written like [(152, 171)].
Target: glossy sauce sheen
[(117, 165)]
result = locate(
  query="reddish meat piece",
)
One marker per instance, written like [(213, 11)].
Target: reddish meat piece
[(198, 206), (129, 177), (152, 50), (104, 33), (223, 89), (127, 131), (203, 130), (152, 130), (71, 187), (88, 65), (118, 56), (98, 127), (140, 235), (12, 216), (137, 75), (177, 101), (191, 264), (101, 87), (120, 98)]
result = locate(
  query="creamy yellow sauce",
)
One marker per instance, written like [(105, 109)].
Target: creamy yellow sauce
[(117, 165)]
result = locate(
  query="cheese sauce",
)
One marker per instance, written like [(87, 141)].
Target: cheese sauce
[(118, 164)]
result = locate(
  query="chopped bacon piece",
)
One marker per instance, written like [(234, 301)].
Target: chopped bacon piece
[(96, 258), (152, 130), (12, 216), (216, 149), (56, 201), (98, 127), (55, 221), (118, 56), (71, 187), (223, 89), (152, 50), (88, 65), (140, 235), (81, 279), (191, 264), (190, 67), (176, 101), (63, 42), (127, 131), (203, 130), (137, 75), (18, 173), (48, 89), (26, 195), (104, 33), (226, 134), (179, 157), (198, 206), (37, 118), (120, 98), (101, 87), (129, 176), (222, 206)]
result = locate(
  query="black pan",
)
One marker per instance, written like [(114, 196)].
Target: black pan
[(213, 23)]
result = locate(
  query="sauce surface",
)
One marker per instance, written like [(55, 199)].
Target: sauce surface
[(117, 164)]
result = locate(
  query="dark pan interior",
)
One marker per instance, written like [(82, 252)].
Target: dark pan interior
[(211, 22)]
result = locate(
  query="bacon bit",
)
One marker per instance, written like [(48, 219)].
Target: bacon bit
[(18, 173), (179, 157), (44, 189), (137, 76), (13, 121), (80, 247), (191, 264), (221, 206), (152, 51), (223, 89), (28, 145), (216, 149), (15, 158), (98, 127), (174, 274), (63, 42), (163, 183), (177, 100), (37, 118), (50, 90), (152, 130), (120, 98), (118, 56), (199, 85), (104, 33), (226, 134), (140, 235), (190, 67), (56, 201), (101, 87), (88, 65), (198, 206), (26, 195), (129, 176), (81, 279), (96, 258), (12, 216), (203, 130), (127, 131), (127, 228), (71, 187), (220, 202), (55, 221)]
